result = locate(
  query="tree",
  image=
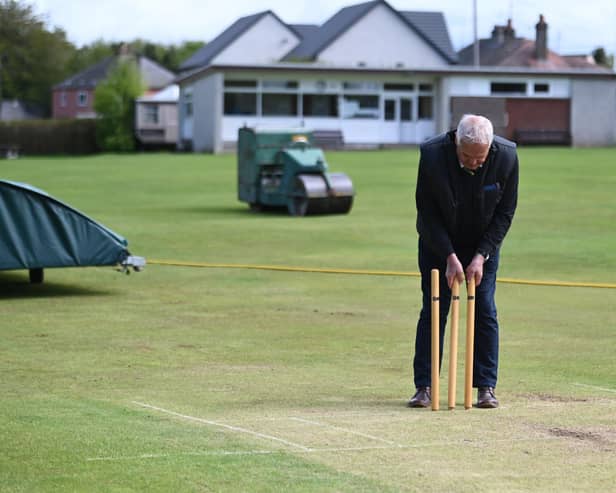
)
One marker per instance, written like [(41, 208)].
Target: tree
[(89, 55), (186, 50), (114, 102), (33, 58), (169, 56), (602, 58)]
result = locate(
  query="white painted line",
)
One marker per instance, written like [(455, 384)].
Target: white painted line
[(360, 449), (337, 414), (322, 450), (603, 389), (345, 430), (222, 425), (185, 454), (230, 452)]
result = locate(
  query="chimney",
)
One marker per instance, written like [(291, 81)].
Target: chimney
[(509, 30), (498, 34), (503, 33), (541, 41)]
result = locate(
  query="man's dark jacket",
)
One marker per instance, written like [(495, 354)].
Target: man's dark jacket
[(437, 204)]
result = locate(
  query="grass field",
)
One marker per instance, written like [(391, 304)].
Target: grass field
[(221, 379)]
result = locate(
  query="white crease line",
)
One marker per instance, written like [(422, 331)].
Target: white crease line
[(342, 414), (358, 433), (239, 452), (595, 387), (222, 425), (321, 450), (184, 454)]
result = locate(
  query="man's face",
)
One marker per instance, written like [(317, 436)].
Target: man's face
[(471, 156)]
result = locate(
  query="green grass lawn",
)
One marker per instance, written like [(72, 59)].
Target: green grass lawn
[(213, 379)]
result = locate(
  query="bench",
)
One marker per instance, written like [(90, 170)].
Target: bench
[(542, 137), (328, 139)]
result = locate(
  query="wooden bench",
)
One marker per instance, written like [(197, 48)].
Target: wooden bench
[(328, 139), (542, 137)]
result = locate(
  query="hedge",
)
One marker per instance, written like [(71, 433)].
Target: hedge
[(44, 137)]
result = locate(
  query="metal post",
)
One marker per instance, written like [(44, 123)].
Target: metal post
[(475, 38)]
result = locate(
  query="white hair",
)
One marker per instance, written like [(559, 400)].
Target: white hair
[(474, 129)]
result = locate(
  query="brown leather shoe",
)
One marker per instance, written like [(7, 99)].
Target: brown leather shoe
[(486, 398), (422, 398)]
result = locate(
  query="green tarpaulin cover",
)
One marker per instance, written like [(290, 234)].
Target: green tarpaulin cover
[(38, 231)]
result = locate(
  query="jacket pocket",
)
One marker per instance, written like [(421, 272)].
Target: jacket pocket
[(492, 194)]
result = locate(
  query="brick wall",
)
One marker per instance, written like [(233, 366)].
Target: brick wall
[(537, 114), (68, 106), (511, 115)]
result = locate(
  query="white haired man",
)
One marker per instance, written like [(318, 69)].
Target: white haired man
[(466, 197)]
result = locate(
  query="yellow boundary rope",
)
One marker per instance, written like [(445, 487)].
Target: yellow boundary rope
[(283, 268)]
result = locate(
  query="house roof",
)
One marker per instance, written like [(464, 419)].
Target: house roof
[(430, 26), (154, 76), (304, 30), (208, 52), (300, 67), (520, 52), (503, 49), (170, 94), (310, 47), (15, 109), (433, 27), (90, 77), (580, 61)]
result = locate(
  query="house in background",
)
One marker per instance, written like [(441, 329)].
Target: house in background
[(354, 75), (74, 97), (156, 118), (532, 107), (380, 76), (504, 49), (14, 110)]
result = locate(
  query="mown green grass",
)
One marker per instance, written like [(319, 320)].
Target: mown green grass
[(321, 361)]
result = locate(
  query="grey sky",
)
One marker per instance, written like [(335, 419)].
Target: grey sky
[(574, 27)]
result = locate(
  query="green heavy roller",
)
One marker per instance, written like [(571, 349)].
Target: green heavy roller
[(281, 168)]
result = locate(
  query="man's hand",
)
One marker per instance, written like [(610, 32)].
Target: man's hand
[(475, 269), (455, 271)]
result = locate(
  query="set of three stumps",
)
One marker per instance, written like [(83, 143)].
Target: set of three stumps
[(453, 357)]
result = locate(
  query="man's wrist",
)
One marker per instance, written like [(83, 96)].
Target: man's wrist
[(484, 254)]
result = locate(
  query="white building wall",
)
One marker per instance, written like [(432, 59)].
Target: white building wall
[(381, 39), (207, 114), (593, 113), (442, 120), (356, 131), (265, 42), (480, 86)]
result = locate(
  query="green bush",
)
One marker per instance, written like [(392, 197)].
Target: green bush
[(114, 102)]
